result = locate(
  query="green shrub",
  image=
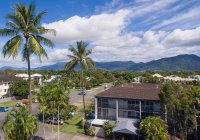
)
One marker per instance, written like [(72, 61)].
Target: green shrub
[(89, 130), (82, 123), (108, 127)]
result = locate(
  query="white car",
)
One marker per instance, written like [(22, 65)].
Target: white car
[(35, 101), (19, 104)]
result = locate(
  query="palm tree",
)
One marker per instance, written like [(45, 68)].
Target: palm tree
[(24, 27), (20, 124), (80, 56)]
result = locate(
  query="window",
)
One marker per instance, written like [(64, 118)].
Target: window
[(5, 84), (147, 105), (102, 102), (133, 114), (5, 90), (133, 105)]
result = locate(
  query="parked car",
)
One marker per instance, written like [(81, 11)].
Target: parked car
[(4, 108), (35, 101), (25, 102), (55, 121), (19, 104)]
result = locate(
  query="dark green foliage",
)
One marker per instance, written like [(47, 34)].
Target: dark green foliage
[(177, 107), (19, 88), (89, 130), (20, 124), (108, 127), (154, 128)]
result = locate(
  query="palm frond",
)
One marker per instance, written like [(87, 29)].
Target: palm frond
[(42, 30), (71, 64), (30, 12), (7, 32), (20, 14), (12, 25), (90, 63), (45, 41), (36, 48), (81, 46), (38, 17), (72, 57), (11, 47), (88, 52), (74, 51)]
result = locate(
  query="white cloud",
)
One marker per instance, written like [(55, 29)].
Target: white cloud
[(106, 34), (89, 28), (185, 19)]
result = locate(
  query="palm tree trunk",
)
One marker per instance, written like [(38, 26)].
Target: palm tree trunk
[(58, 122), (29, 76), (83, 94), (43, 125)]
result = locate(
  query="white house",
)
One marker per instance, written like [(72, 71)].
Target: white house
[(5, 81), (37, 77)]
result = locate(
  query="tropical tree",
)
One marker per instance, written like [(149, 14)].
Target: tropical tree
[(53, 100), (19, 88), (24, 27), (20, 124), (80, 56), (154, 128)]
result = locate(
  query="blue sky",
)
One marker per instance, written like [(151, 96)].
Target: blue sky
[(136, 30)]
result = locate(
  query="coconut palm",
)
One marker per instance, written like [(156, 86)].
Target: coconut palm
[(24, 27), (20, 124), (80, 56)]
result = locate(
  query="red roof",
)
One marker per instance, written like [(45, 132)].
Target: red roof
[(142, 91)]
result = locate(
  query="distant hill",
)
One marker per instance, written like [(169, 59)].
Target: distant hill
[(14, 68), (180, 62)]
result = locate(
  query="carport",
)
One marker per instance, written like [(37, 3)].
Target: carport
[(127, 130)]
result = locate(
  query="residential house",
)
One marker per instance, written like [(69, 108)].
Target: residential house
[(5, 81), (126, 104), (132, 101), (36, 77)]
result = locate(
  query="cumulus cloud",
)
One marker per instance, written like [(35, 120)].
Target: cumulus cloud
[(102, 26), (112, 38), (111, 41)]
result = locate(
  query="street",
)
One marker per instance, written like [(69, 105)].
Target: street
[(76, 99)]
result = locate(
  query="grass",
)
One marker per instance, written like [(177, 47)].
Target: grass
[(10, 103), (72, 125)]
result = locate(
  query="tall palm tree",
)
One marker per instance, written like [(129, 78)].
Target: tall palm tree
[(80, 56), (20, 124), (24, 27)]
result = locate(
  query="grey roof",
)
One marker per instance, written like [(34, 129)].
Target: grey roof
[(126, 127)]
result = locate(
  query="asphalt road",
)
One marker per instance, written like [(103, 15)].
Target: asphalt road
[(75, 98)]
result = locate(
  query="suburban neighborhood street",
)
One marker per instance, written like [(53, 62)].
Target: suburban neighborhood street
[(90, 94), (74, 99)]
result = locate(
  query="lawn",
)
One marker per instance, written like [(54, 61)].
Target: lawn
[(10, 103), (72, 125)]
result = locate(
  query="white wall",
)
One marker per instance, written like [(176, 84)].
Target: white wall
[(4, 86)]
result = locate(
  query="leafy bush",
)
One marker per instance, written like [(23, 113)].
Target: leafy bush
[(108, 127), (82, 123), (89, 130)]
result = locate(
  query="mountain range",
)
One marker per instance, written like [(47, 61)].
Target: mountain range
[(180, 62)]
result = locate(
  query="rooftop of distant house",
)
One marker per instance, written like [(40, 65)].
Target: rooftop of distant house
[(142, 91), (8, 78)]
